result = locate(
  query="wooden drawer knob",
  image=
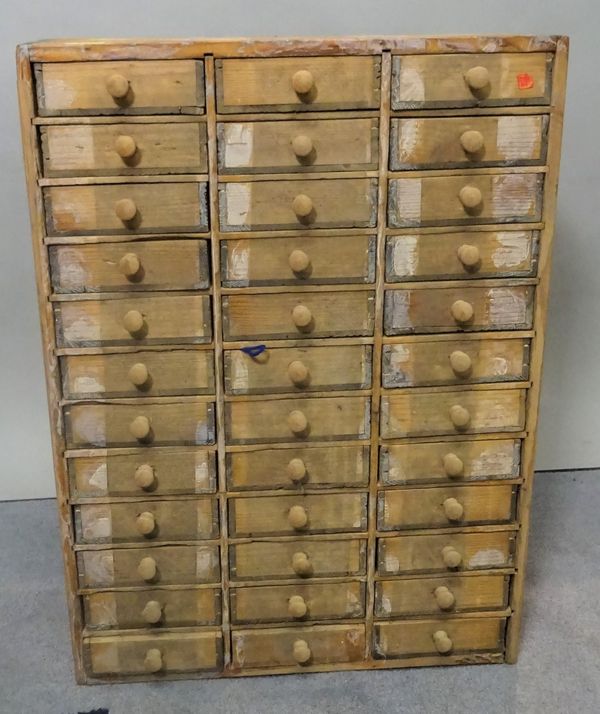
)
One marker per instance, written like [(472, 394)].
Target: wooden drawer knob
[(453, 509), (302, 145), (298, 373), (133, 322), (302, 316), (470, 197), (145, 523), (472, 141), (477, 78), (302, 81), (301, 652), (125, 146), (459, 416), (301, 564), (296, 470), (153, 661), (117, 86), (147, 569), (442, 642), (297, 422), (298, 261), (444, 598), (129, 265), (461, 363), (297, 606), (453, 465), (302, 205), (451, 557), (125, 209), (298, 517), (152, 612), (469, 256), (140, 428), (144, 477), (138, 374), (462, 311)]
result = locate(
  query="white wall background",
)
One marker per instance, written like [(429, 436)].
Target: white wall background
[(570, 419)]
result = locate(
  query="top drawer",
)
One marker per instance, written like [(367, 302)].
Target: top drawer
[(466, 80), (147, 87)]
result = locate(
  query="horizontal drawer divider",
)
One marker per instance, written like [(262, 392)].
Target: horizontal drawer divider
[(300, 538), (475, 228), (430, 173), (126, 450), (142, 401), (298, 395), (150, 586), (83, 240), (428, 575), (454, 437), (290, 493), (472, 111), (479, 387), (305, 625), (132, 349), (144, 498), (311, 342), (295, 233), (317, 175), (145, 544), (298, 116), (450, 483), (458, 337), (441, 615), (295, 445), (122, 119), (138, 295), (308, 288), (328, 580), (153, 631), (460, 284), (123, 179), (449, 531)]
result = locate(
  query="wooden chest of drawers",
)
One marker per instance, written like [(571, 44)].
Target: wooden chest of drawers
[(293, 297)]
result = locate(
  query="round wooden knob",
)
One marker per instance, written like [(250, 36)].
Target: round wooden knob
[(152, 612), (153, 661), (472, 141), (459, 416), (299, 262), (444, 598), (145, 523), (297, 421), (301, 652), (477, 78), (451, 557), (302, 81), (453, 509), (298, 517), (462, 311), (117, 86), (302, 205), (140, 427), (453, 465), (470, 197), (298, 372), (302, 145), (301, 316), (296, 470), (125, 146), (297, 606), (443, 643), (138, 374), (125, 209), (461, 363), (144, 477), (133, 321), (301, 565), (129, 265), (469, 256), (147, 569)]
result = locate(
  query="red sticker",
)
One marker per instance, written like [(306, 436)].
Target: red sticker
[(525, 81)]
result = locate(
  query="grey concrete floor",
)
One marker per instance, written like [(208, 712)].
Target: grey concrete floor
[(558, 670)]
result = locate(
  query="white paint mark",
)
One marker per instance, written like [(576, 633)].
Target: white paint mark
[(405, 256), (486, 558), (99, 479), (204, 563), (499, 366), (96, 522), (386, 605), (99, 568), (506, 306), (409, 136), (238, 145), (87, 385), (81, 329), (398, 305), (408, 201), (496, 461), (238, 197), (239, 372), (201, 432), (89, 427), (514, 250), (239, 262), (411, 86), (392, 564), (353, 604), (201, 476), (513, 195), (518, 137)]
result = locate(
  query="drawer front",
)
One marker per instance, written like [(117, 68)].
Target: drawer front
[(442, 553), (503, 307), (293, 315), (432, 596), (271, 146), (463, 200), (320, 419), (110, 209), (441, 413), (133, 320), (423, 364), (161, 472), (316, 467), (147, 87), (302, 204), (297, 84), (449, 506), (298, 369), (292, 515), (467, 80), (298, 646), (298, 261), (140, 609), (455, 142), (461, 256), (148, 265), (296, 603), (306, 558), (165, 423), (123, 149)]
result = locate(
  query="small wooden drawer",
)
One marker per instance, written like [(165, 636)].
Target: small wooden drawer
[(468, 80), (294, 515), (318, 419), (455, 142), (298, 204), (144, 567), (468, 309), (155, 654), (432, 596), (140, 521), (464, 200), (297, 84), (480, 460), (147, 87), (296, 468), (133, 320), (296, 603), (423, 364), (298, 261), (307, 558), (155, 423), (147, 265), (401, 555), (161, 472), (461, 256), (271, 146), (158, 607), (294, 315), (444, 507), (298, 369), (298, 646), (124, 149), (435, 413), (110, 209)]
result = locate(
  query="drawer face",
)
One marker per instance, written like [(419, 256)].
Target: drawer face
[(161, 320), (146, 208), (445, 507), (139, 609), (316, 467), (298, 369), (140, 521), (324, 83), (302, 204), (161, 472), (147, 87), (467, 309), (319, 419), (492, 141), (283, 603), (437, 256), (329, 144), (281, 647), (295, 515), (319, 559), (423, 364), (440, 413), (165, 423), (124, 149), (435, 81), (147, 265), (294, 315), (425, 553), (298, 261), (480, 460), (437, 200)]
